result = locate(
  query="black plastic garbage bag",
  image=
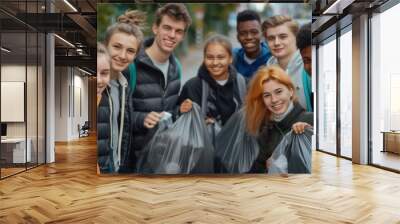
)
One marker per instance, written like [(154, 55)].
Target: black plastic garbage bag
[(235, 149), (213, 130), (293, 154), (183, 147)]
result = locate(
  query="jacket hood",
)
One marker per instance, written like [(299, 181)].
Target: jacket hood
[(142, 56), (295, 61), (206, 76), (264, 52)]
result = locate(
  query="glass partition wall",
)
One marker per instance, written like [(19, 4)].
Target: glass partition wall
[(385, 90), (334, 94), (326, 107), (13, 88), (334, 83), (22, 88), (346, 93)]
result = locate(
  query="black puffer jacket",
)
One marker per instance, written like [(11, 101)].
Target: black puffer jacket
[(105, 156), (222, 101), (272, 133), (127, 154), (150, 94)]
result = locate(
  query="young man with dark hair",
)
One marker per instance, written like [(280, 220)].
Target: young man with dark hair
[(157, 81), (304, 45), (254, 53)]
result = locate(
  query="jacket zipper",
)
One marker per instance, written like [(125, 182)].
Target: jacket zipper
[(122, 117), (111, 129)]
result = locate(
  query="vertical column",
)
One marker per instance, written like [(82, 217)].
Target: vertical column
[(338, 77), (360, 90), (62, 103), (50, 93), (314, 91)]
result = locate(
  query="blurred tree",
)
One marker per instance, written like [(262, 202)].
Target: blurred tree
[(150, 10), (216, 17), (266, 12), (105, 17)]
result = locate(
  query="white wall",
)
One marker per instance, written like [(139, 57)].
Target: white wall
[(79, 112), (61, 104), (13, 73), (69, 85), (81, 83)]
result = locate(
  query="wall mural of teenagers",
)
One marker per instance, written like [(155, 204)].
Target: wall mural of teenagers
[(204, 88)]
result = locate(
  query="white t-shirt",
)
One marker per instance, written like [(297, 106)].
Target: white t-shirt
[(222, 82), (163, 68), (249, 60)]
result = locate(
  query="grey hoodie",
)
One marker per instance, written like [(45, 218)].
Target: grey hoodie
[(294, 70), (118, 102)]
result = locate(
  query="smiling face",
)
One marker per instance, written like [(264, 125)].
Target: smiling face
[(103, 73), (217, 60), (122, 48), (282, 41), (168, 34), (249, 36), (276, 96)]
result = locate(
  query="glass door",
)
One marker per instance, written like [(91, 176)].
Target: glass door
[(385, 89), (326, 93), (22, 77), (14, 154), (346, 93)]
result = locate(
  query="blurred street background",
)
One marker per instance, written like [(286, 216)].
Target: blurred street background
[(207, 19)]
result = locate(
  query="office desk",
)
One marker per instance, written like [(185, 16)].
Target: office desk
[(391, 141), (13, 150)]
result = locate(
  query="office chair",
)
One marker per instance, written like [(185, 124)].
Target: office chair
[(84, 130)]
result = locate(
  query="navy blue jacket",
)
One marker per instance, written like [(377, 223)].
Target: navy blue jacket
[(247, 70)]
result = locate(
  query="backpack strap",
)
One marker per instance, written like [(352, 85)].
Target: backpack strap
[(241, 83), (132, 76), (133, 71), (205, 88), (179, 65), (307, 89)]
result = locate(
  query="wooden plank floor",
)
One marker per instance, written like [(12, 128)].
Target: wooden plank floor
[(69, 191), (9, 171)]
